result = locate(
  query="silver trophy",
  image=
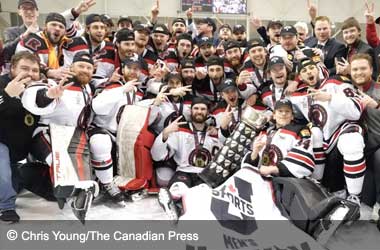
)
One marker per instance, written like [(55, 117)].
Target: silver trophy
[(228, 159)]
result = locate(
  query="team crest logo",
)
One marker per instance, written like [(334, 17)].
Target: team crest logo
[(29, 120), (318, 115), (231, 205), (200, 158), (272, 156)]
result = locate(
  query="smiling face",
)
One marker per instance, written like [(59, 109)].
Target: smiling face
[(322, 30), (28, 13), (258, 56), (96, 31), (283, 116), (351, 35), (233, 56), (207, 50), (199, 113), (361, 71)]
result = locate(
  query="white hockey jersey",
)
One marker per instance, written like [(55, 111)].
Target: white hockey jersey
[(290, 148), (240, 214), (104, 54), (337, 115), (109, 104), (181, 145), (67, 110), (161, 116)]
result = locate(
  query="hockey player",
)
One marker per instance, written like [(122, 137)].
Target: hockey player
[(93, 42), (206, 50), (158, 43), (63, 105), (108, 106), (142, 33), (173, 101), (182, 50), (274, 90), (47, 44), (228, 112), (334, 106), (254, 72), (208, 86), (285, 149), (187, 71), (233, 57), (190, 145)]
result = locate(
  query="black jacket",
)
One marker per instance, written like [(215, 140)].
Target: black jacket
[(16, 123), (332, 49), (362, 47)]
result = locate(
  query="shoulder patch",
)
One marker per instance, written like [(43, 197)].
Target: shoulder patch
[(34, 43), (305, 132)]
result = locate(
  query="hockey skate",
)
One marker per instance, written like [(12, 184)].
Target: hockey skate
[(330, 224), (166, 202), (133, 190), (111, 192), (81, 202)]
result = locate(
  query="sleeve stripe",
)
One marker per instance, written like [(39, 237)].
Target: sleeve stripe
[(299, 163)]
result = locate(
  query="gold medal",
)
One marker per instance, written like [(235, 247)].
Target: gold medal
[(266, 159), (29, 120), (199, 162)]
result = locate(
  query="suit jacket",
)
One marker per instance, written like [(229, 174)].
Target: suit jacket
[(11, 39), (332, 49)]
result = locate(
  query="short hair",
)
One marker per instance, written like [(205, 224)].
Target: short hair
[(302, 25), (322, 18), (351, 22), (364, 56), (26, 55)]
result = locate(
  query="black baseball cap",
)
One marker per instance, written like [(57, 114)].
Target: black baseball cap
[(179, 20), (288, 30), (55, 17), (274, 23), (377, 20), (83, 56), (231, 44), (255, 42), (304, 63), (132, 60), (161, 28), (275, 60), (107, 19), (227, 84), (283, 103), (92, 18), (188, 63), (208, 21), (185, 36), (141, 27), (32, 2), (215, 60), (124, 18), (226, 25), (205, 40), (310, 54), (199, 99), (125, 35), (238, 28)]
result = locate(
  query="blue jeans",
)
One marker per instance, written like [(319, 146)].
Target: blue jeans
[(7, 192)]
